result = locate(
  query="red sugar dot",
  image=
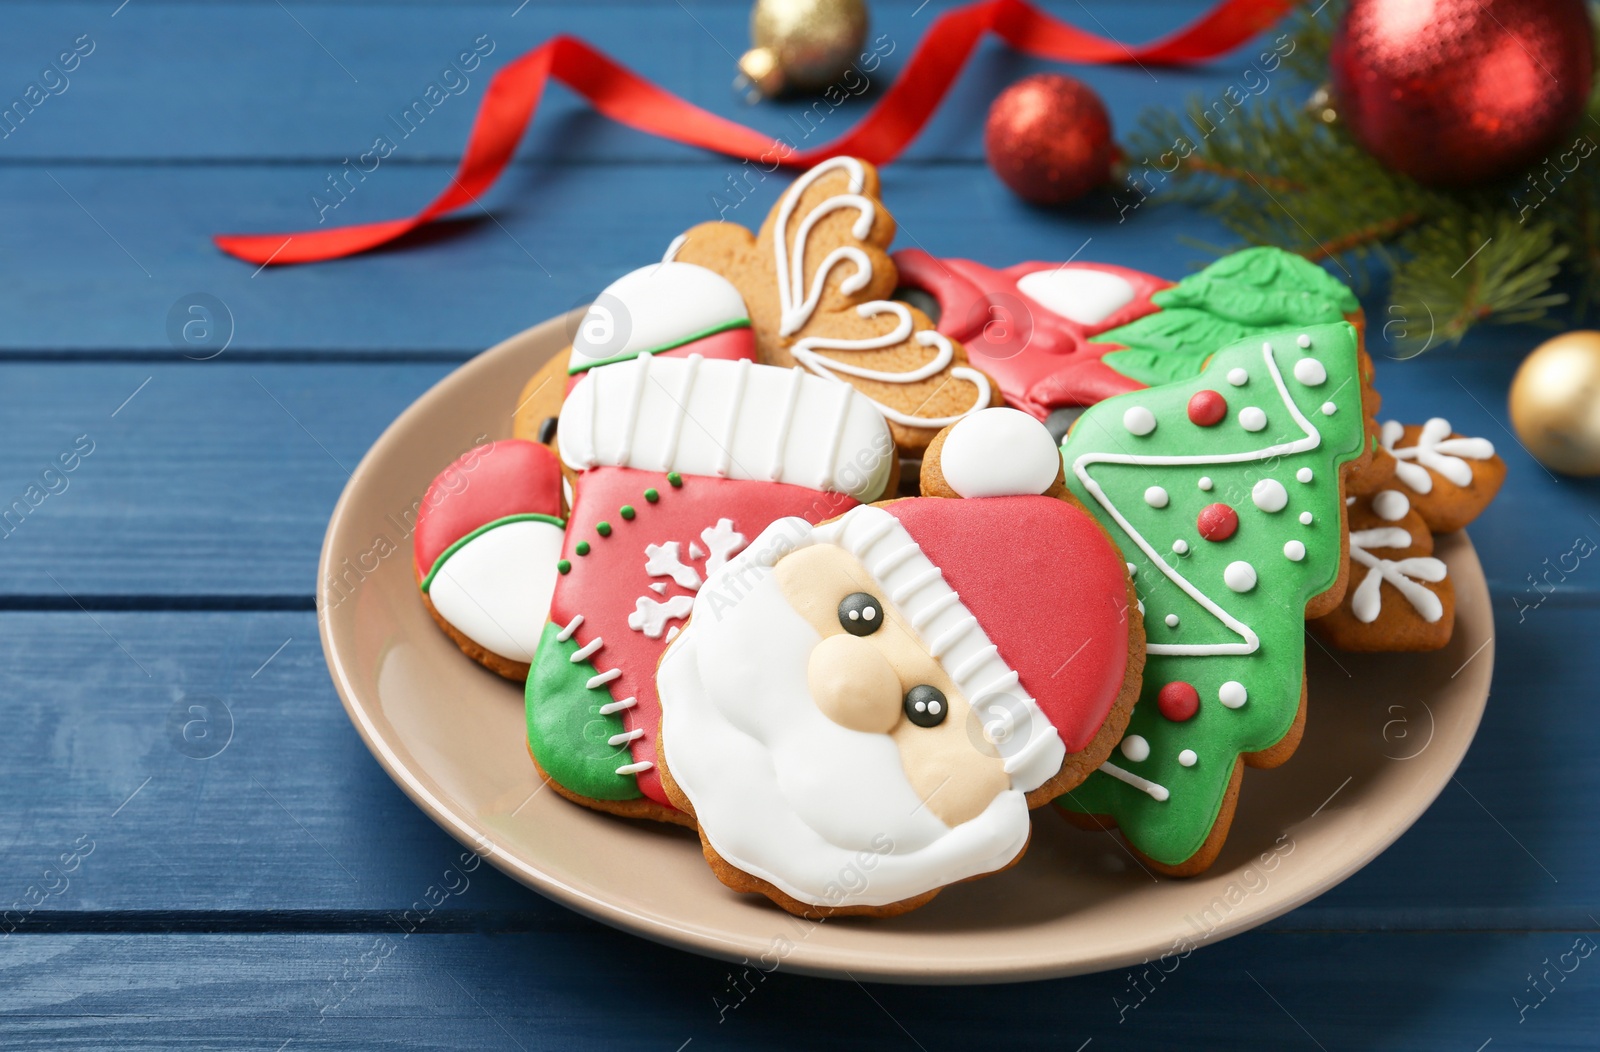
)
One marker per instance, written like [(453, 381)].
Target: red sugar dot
[(1217, 522), (1178, 701), (1207, 408)]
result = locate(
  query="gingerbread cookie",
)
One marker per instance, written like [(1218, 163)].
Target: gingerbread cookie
[(817, 281), (1448, 478), (1399, 598), (862, 712), (675, 464), (1226, 493)]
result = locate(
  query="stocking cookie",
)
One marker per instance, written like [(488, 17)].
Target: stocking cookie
[(1225, 492), (675, 463), (862, 712), (817, 280), (488, 534), (1399, 597), (1448, 478)]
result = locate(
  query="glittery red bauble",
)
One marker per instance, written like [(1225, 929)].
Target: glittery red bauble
[(1217, 522), (1459, 91), (1049, 138)]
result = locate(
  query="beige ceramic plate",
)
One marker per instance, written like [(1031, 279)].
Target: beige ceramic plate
[(1385, 734)]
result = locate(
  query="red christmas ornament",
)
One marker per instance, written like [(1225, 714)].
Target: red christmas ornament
[(1207, 408), (1178, 701), (1217, 522), (1460, 91), (1048, 138)]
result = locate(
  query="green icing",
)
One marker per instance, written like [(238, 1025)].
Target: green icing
[(1248, 293), (568, 735), (1102, 452)]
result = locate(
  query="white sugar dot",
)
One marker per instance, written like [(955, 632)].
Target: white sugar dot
[(1305, 518), (935, 708), (1205, 482), (1232, 694), (1252, 418), (1139, 420), (855, 615), (1172, 620), (1303, 340), (1135, 748), (1240, 576), (1180, 545), (1188, 758), (1132, 569), (1156, 497), (1391, 505), (1349, 501), (1294, 551), (1304, 475), (1269, 495), (869, 613), (1238, 377), (1328, 409), (1310, 372)]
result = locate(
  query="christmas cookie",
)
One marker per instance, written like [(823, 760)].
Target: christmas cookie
[(1448, 478), (1225, 491), (817, 281), (675, 464), (487, 538), (1399, 597), (862, 712)]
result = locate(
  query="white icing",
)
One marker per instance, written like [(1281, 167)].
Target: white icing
[(1238, 377), (496, 588), (695, 551), (1310, 438), (1434, 450), (711, 417), (651, 617), (663, 560), (1328, 409), (1180, 546), (1239, 575), (654, 308), (1205, 482), (1156, 792), (998, 453), (1139, 420), (1304, 475), (1251, 418), (1189, 757), (1132, 569), (1156, 497), (1172, 620), (1232, 694), (1294, 551), (1135, 748), (1269, 495), (1366, 602), (1391, 505), (1306, 518), (722, 540), (1078, 294), (1310, 372), (796, 305)]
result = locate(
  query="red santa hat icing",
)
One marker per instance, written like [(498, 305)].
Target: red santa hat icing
[(1021, 598), (668, 308)]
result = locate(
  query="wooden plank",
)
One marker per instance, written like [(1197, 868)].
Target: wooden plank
[(294, 815), (594, 989)]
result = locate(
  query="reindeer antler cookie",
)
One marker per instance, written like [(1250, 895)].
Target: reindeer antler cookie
[(817, 279)]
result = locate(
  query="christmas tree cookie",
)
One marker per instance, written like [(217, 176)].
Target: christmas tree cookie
[(1226, 493)]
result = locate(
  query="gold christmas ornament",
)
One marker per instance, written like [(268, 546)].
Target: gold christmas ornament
[(1555, 403), (801, 45)]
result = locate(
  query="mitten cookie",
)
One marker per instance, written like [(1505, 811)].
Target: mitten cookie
[(488, 535), (862, 712), (675, 464), (817, 280), (1448, 478), (1225, 491), (1399, 597)]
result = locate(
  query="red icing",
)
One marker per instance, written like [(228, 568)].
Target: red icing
[(729, 344), (604, 585), (1207, 408), (1066, 597), (1178, 701), (1040, 359), (509, 477), (1217, 522)]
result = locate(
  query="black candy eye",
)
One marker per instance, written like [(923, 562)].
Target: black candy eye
[(860, 613), (926, 706)]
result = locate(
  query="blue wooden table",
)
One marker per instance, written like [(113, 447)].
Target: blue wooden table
[(242, 892)]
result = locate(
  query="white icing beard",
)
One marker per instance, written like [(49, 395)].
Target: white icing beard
[(824, 813)]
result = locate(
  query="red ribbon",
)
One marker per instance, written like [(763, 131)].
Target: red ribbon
[(513, 96)]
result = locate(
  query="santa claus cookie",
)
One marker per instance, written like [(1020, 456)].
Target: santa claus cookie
[(1447, 477), (675, 464), (1399, 596), (1226, 493), (817, 280), (862, 712)]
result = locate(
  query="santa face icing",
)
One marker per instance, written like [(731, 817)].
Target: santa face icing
[(844, 724)]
